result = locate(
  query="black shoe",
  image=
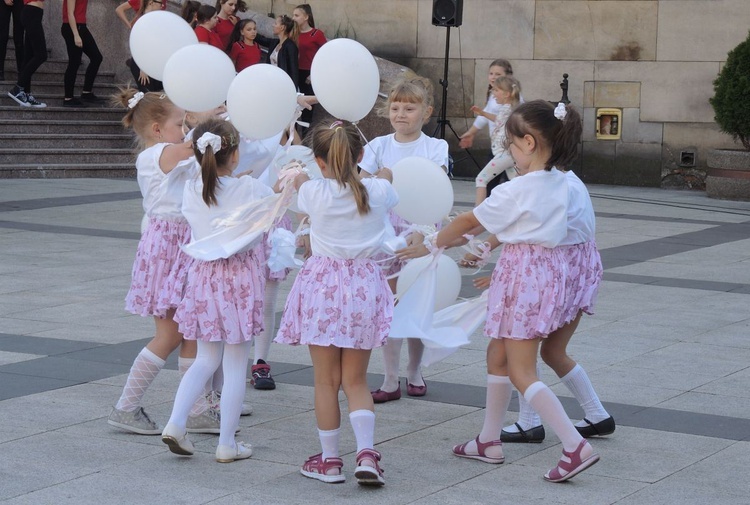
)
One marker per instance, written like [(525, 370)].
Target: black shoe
[(599, 429), (19, 95), (91, 98), (533, 435), (261, 373), (73, 102), (33, 102)]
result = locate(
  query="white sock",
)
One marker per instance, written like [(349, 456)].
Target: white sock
[(527, 416), (143, 372), (200, 405), (363, 424), (414, 365), (329, 442), (544, 401), (234, 363), (577, 381), (264, 338), (391, 361), (499, 391)]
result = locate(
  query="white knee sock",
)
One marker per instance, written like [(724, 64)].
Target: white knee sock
[(544, 401), (527, 416), (233, 392), (363, 424), (499, 390), (329, 442), (577, 381), (143, 372), (391, 362), (200, 405), (414, 365), (264, 338), (194, 381)]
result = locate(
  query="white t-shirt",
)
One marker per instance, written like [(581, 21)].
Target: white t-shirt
[(162, 193), (337, 229), (385, 151), (581, 219), (528, 210), (491, 108), (498, 129), (231, 193), (257, 155)]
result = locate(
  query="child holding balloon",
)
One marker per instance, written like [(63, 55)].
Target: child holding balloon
[(408, 107), (340, 304), (527, 292)]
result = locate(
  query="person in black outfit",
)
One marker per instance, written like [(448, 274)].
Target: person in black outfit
[(11, 9), (283, 51), (35, 53), (78, 40)]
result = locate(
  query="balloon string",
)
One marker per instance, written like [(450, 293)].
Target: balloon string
[(378, 160)]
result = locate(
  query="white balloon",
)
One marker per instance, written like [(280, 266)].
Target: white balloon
[(197, 77), (345, 79), (156, 37), (261, 101), (424, 190), (448, 279)]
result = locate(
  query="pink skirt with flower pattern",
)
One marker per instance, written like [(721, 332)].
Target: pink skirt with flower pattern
[(159, 269), (527, 292), (582, 283), (223, 299), (345, 303)]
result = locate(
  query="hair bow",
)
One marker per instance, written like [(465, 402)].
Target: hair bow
[(136, 98), (209, 139), (561, 111)]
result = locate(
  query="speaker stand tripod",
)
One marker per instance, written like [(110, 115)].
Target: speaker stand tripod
[(442, 122)]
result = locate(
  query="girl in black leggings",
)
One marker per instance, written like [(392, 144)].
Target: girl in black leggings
[(78, 40), (11, 9), (35, 53)]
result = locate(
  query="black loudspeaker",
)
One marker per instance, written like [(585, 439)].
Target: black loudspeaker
[(447, 12)]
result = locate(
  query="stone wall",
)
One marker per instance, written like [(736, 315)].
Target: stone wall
[(654, 59)]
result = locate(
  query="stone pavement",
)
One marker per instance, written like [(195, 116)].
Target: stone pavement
[(668, 351)]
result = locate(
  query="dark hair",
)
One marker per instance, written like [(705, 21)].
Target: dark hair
[(537, 118), (289, 27), (211, 161), (189, 10), (308, 11), (241, 5), (151, 108), (505, 65), (237, 32), (145, 4), (205, 13), (339, 144)]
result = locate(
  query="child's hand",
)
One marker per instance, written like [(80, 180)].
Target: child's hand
[(385, 173), (482, 283), (476, 110), (415, 248), (466, 140)]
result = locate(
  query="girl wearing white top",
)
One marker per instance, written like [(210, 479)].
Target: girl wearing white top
[(527, 292), (159, 268), (222, 307), (581, 287), (409, 107), (340, 304)]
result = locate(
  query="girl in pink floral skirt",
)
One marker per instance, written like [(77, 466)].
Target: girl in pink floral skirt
[(340, 304), (222, 307), (528, 287)]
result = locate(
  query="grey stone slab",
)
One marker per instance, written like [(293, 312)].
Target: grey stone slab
[(66, 369), (14, 385), (40, 345), (15, 357)]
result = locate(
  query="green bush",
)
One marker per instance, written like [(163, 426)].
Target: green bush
[(731, 100)]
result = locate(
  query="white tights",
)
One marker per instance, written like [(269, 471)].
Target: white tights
[(264, 338), (392, 358), (208, 359)]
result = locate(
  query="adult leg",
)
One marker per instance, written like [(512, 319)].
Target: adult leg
[(6, 12), (18, 33), (35, 45), (74, 60), (91, 50)]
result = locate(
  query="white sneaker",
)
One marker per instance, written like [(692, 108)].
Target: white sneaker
[(214, 401), (207, 422), (135, 422), (227, 454), (177, 440)]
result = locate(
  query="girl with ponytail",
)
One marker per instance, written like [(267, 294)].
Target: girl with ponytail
[(340, 304)]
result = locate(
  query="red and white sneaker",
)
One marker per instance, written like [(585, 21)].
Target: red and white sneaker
[(368, 471), (328, 470), (573, 463)]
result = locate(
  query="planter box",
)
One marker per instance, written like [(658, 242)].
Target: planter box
[(728, 175)]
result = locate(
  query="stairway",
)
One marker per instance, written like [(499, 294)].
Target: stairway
[(62, 142)]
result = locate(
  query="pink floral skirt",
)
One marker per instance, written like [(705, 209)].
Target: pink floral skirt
[(582, 282), (345, 303), (527, 292), (223, 299), (286, 223), (159, 269)]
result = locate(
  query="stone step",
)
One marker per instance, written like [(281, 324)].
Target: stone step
[(65, 156), (41, 126), (60, 140), (50, 112), (49, 65), (40, 88), (56, 100), (65, 171), (51, 75)]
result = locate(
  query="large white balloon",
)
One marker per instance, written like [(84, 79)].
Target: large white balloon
[(156, 37), (448, 279), (345, 79), (197, 78), (261, 101), (424, 190)]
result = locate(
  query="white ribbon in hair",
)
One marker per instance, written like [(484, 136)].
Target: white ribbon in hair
[(561, 111), (209, 139), (136, 98)]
